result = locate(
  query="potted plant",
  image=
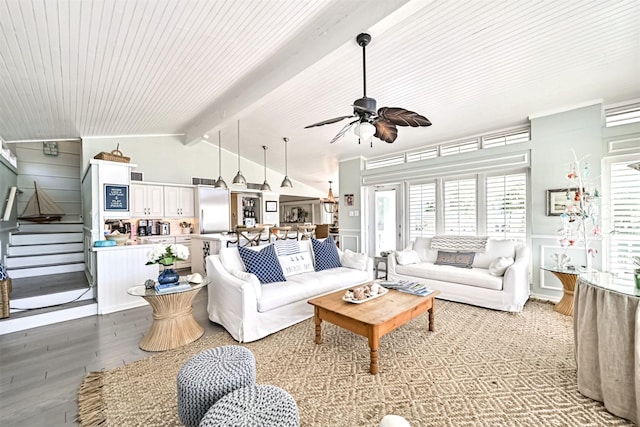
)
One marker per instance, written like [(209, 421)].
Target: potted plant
[(636, 261), (186, 227)]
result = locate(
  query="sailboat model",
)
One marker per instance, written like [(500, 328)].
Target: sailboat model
[(40, 208)]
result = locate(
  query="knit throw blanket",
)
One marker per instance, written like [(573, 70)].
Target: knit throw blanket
[(459, 243)]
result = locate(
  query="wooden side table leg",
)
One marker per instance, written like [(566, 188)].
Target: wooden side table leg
[(565, 305), (318, 320)]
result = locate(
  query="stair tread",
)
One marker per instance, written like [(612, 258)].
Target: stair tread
[(26, 287), (45, 254), (44, 265), (37, 311)]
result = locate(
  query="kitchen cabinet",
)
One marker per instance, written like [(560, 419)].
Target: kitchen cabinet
[(179, 202), (147, 200)]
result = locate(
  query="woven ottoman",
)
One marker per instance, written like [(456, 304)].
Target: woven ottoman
[(254, 406), (210, 375)]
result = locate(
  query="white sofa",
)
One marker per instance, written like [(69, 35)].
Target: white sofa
[(475, 286), (249, 310)]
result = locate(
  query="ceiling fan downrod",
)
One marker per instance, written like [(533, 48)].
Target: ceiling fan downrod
[(363, 40)]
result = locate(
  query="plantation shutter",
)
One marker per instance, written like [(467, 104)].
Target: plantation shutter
[(625, 217), (506, 206), (460, 207), (422, 210)]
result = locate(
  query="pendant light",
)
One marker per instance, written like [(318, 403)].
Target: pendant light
[(330, 204), (286, 182), (265, 185), (220, 182), (239, 178)]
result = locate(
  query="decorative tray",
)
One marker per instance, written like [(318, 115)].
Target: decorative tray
[(381, 291)]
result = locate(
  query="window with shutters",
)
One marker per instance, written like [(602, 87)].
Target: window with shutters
[(624, 241), (460, 207), (506, 138), (422, 210), (459, 147), (430, 153), (622, 115), (506, 198), (387, 161)]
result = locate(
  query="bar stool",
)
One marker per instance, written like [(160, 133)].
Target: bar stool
[(306, 232), (279, 233), (249, 236)]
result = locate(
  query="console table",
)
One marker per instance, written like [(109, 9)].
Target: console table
[(607, 343)]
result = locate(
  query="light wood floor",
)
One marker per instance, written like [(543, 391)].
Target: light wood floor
[(41, 368)]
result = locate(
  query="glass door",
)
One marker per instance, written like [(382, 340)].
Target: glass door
[(387, 227)]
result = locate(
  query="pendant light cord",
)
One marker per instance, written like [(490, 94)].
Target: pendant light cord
[(286, 169), (219, 154), (238, 145)]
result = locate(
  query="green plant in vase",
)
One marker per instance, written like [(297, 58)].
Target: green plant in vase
[(167, 255), (636, 273)]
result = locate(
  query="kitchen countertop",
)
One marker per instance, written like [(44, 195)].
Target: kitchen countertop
[(214, 236)]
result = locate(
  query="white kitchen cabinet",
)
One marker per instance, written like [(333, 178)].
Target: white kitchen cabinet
[(179, 202), (147, 200)]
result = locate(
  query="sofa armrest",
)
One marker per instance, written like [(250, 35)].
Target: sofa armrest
[(392, 262), (516, 277)]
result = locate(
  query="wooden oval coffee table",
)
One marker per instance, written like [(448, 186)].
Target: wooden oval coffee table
[(173, 323), (372, 319)]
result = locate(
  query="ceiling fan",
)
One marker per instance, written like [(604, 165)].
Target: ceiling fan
[(367, 122)]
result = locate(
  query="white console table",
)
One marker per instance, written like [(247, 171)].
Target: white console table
[(606, 321)]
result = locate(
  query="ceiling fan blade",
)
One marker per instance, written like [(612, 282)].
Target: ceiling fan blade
[(328, 122), (343, 131), (402, 117), (385, 130)]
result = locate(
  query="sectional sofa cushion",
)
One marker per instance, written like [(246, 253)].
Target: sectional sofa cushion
[(499, 265), (263, 263), (477, 277), (354, 260)]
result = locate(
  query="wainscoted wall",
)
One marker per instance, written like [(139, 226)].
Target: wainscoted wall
[(58, 175)]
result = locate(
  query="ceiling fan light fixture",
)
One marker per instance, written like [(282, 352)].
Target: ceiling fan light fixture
[(220, 182), (364, 130), (239, 178), (286, 182)]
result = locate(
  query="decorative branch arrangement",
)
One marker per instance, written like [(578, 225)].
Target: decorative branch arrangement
[(581, 217)]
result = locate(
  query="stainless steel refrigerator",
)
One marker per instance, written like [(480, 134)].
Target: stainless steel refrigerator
[(212, 205)]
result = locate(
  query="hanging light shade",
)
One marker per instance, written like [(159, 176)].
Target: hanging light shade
[(220, 182), (286, 182), (265, 185), (239, 178), (330, 204)]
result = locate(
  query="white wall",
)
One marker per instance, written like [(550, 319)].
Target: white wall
[(166, 159)]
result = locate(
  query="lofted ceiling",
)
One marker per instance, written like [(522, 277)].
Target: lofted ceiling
[(77, 68)]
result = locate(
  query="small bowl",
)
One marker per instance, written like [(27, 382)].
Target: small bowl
[(120, 239)]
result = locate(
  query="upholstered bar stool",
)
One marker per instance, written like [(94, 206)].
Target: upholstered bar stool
[(210, 375), (258, 405)]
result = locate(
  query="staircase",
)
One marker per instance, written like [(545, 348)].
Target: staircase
[(46, 265)]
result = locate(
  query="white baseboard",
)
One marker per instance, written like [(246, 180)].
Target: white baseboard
[(10, 325)]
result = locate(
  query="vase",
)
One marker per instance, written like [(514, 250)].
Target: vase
[(168, 276)]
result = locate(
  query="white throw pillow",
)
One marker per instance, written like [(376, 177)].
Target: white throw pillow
[(499, 265), (354, 260), (296, 263), (407, 257)]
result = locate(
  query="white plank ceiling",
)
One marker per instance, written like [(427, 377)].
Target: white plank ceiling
[(76, 68)]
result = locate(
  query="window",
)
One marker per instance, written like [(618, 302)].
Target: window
[(622, 115), (422, 210), (506, 206), (506, 138), (387, 161), (625, 216), (460, 207), (459, 147), (430, 153)]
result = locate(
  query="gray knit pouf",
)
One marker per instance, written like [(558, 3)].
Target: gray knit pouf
[(210, 375), (254, 406)]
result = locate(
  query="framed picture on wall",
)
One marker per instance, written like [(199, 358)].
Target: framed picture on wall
[(558, 200), (271, 206)]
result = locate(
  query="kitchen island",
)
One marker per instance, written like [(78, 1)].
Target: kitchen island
[(203, 245)]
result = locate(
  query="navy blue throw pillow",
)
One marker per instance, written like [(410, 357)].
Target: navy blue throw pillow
[(263, 263), (326, 254)]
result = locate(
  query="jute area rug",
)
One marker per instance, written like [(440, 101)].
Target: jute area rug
[(479, 368)]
